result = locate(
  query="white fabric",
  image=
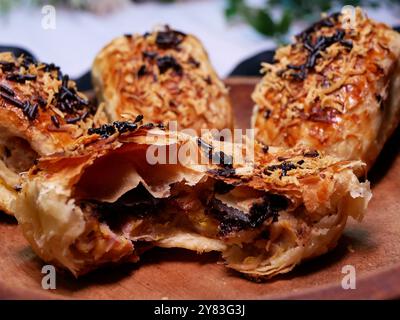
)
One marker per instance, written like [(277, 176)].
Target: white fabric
[(80, 35)]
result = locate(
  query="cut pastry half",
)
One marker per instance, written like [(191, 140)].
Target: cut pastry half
[(41, 113), (128, 188), (336, 89), (165, 75)]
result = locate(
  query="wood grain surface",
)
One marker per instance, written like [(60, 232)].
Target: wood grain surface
[(372, 247)]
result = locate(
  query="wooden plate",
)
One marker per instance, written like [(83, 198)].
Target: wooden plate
[(372, 247)]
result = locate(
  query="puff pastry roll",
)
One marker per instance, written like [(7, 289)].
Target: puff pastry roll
[(166, 76), (106, 202), (335, 89), (41, 113)]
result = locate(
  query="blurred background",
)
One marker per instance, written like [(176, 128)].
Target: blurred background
[(71, 32)]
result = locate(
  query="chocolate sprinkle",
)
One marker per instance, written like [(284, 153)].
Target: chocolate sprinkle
[(124, 126), (267, 113), (161, 126), (208, 80), (311, 154), (107, 130), (224, 172), (65, 80), (169, 39), (287, 166), (322, 43), (73, 120), (12, 100), (7, 90), (21, 78), (84, 115), (284, 166), (142, 71), (28, 60), (104, 131), (68, 99), (319, 45), (138, 118), (148, 125), (168, 62), (55, 121), (328, 22), (42, 102), (29, 110), (49, 67), (149, 54), (193, 62), (265, 148), (32, 111), (7, 66)]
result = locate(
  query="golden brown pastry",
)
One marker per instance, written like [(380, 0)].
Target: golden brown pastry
[(41, 113), (166, 76), (334, 89), (109, 200)]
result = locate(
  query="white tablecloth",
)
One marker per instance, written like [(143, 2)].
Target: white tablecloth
[(79, 35)]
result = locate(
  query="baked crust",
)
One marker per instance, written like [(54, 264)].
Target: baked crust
[(41, 113), (333, 89), (166, 76), (265, 216)]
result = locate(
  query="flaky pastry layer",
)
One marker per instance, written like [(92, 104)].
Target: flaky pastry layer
[(336, 89), (106, 202)]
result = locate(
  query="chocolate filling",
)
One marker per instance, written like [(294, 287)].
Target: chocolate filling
[(139, 204), (233, 220)]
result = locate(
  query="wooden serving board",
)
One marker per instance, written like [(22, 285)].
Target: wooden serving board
[(372, 247)]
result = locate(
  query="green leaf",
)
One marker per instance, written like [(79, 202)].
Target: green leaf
[(286, 22), (233, 8), (261, 21)]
